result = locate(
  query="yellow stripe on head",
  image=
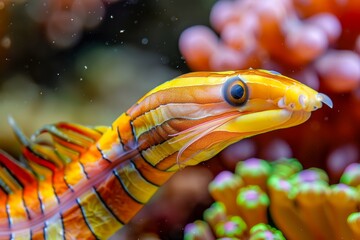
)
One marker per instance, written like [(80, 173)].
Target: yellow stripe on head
[(190, 80)]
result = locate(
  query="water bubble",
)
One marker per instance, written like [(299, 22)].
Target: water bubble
[(144, 41), (6, 42)]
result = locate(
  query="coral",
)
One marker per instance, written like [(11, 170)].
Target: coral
[(301, 203), (316, 42), (64, 20), (309, 39)]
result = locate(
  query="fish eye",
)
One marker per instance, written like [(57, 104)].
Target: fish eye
[(235, 91)]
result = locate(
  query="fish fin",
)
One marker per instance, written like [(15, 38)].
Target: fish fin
[(67, 141), (13, 175)]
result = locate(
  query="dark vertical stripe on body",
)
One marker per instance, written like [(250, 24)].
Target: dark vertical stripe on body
[(102, 154), (40, 200), (67, 184), (83, 169), (53, 187), (127, 135), (150, 172), (106, 206), (117, 199), (136, 186), (8, 212), (25, 206), (133, 131), (120, 139), (123, 186), (85, 219), (145, 160), (141, 174), (63, 225), (44, 230)]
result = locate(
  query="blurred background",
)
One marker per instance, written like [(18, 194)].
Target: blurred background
[(87, 61)]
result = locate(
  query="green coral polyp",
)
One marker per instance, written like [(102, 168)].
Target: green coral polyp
[(279, 200)]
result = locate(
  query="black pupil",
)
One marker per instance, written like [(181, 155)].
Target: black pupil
[(237, 91)]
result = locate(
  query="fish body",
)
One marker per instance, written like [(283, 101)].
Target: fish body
[(88, 182)]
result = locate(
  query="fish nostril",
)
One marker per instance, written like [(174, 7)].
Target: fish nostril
[(302, 99), (281, 103)]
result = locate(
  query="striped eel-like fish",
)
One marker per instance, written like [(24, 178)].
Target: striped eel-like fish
[(88, 182)]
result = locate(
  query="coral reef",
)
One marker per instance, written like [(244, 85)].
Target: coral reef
[(263, 200)]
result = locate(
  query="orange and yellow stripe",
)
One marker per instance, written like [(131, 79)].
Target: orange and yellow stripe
[(90, 181)]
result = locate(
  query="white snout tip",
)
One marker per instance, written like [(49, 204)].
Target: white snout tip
[(324, 99)]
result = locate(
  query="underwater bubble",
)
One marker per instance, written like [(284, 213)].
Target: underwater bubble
[(6, 42), (144, 41)]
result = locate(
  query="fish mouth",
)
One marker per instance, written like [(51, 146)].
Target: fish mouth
[(261, 115), (306, 103), (258, 122)]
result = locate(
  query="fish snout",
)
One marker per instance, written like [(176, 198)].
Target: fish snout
[(304, 101)]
